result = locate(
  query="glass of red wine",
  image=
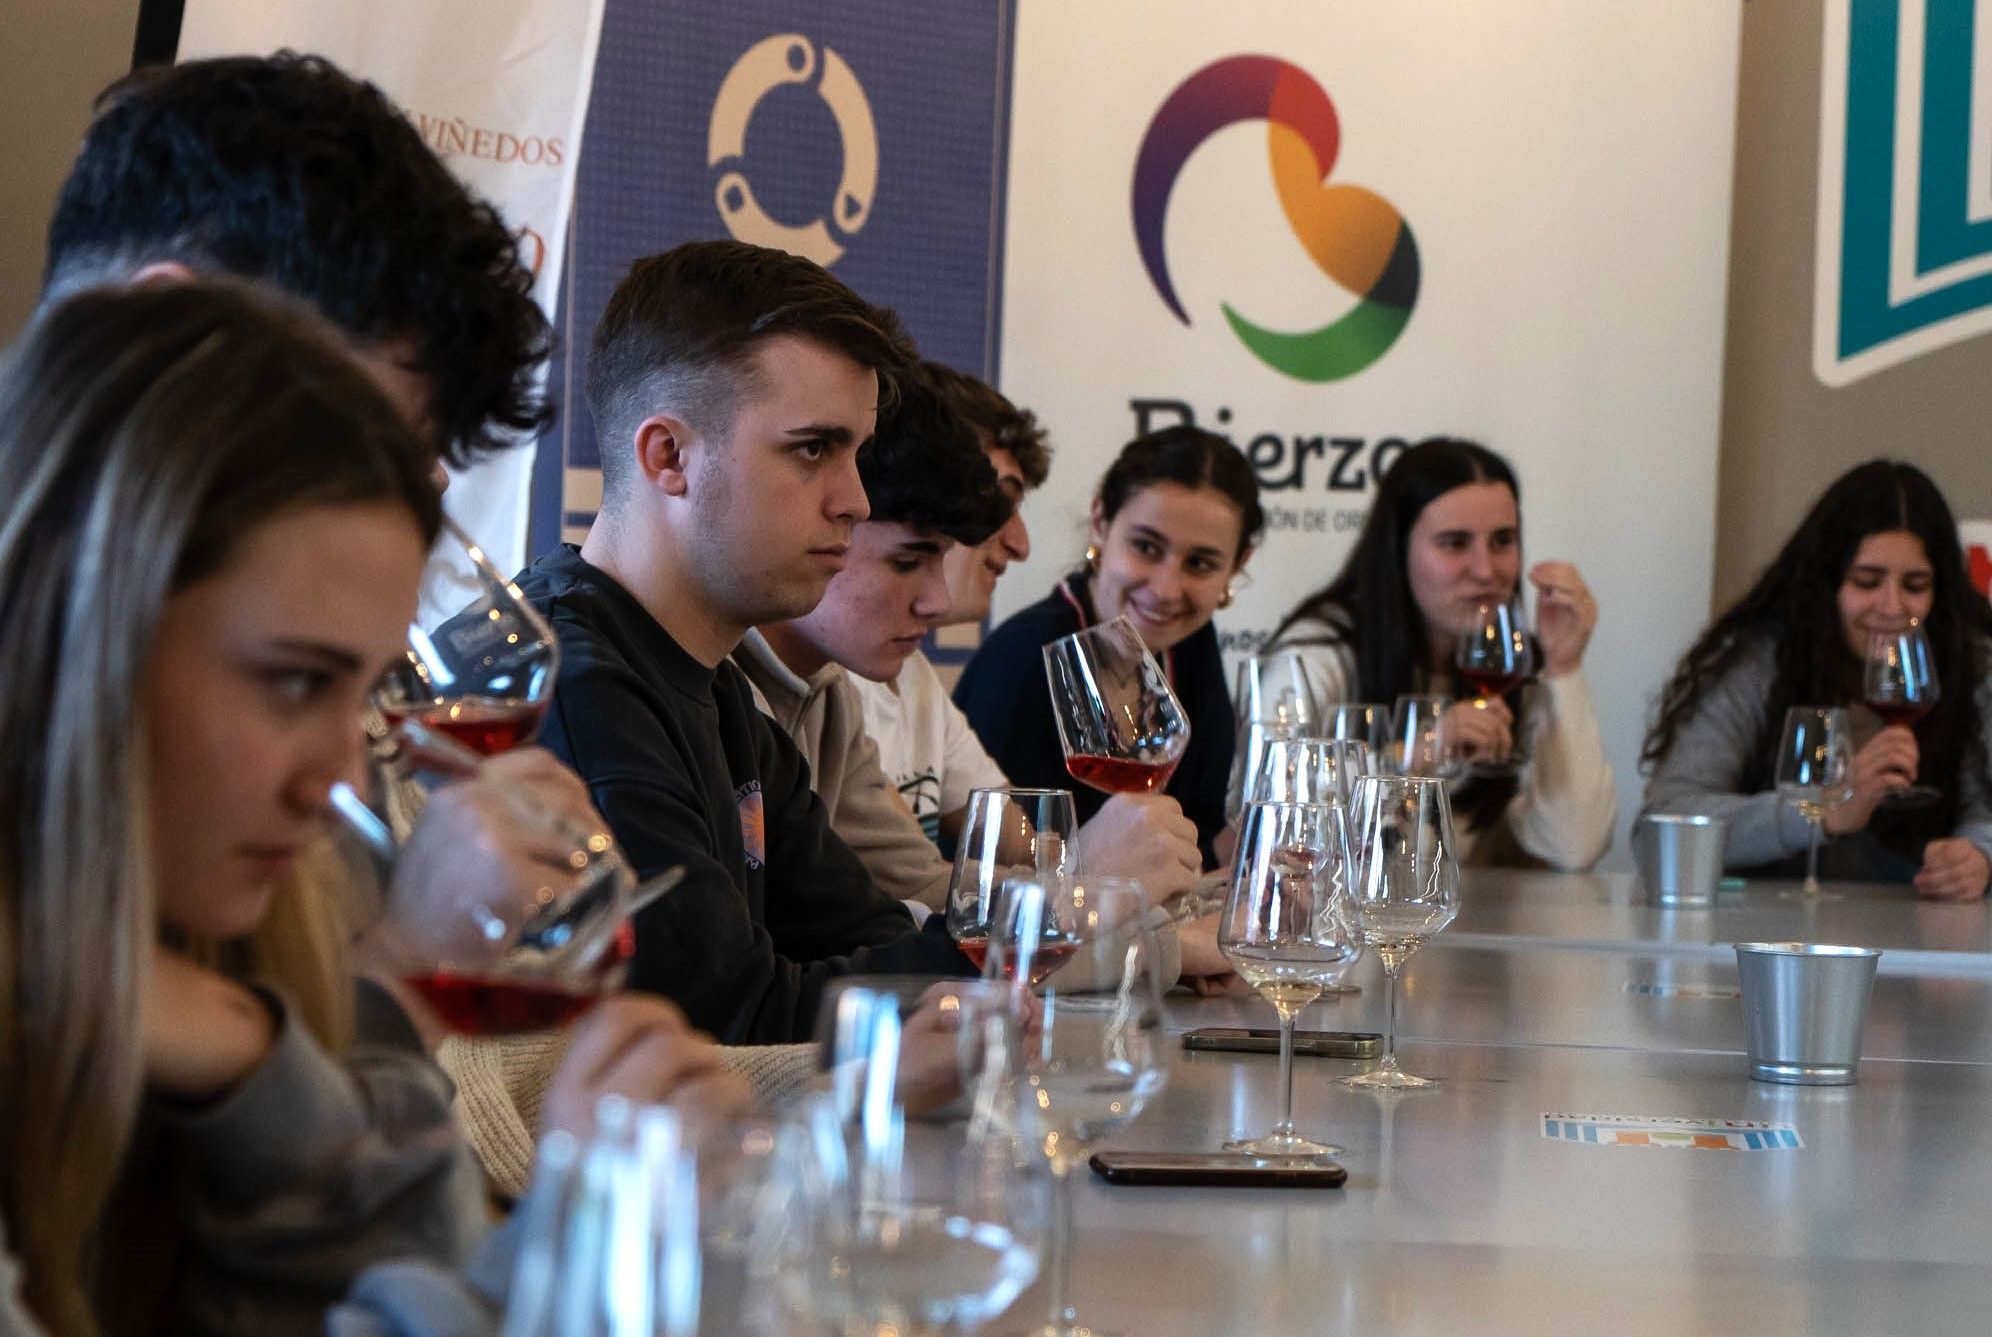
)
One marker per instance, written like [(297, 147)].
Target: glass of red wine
[(1900, 685), (1007, 835), (485, 676), (1119, 722), (1494, 657)]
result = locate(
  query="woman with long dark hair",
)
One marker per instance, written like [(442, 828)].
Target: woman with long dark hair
[(1444, 539), (1173, 521), (1877, 551)]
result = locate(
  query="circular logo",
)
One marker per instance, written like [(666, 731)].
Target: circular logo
[(1355, 235), (790, 58)]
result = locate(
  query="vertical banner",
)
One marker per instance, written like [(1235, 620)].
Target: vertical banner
[(866, 136), (1329, 232), (499, 89)]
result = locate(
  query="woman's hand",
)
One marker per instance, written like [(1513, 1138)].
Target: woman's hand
[(1887, 762), (204, 1033), (1565, 616), (639, 1046), (1953, 870), (1206, 969), (1479, 729)]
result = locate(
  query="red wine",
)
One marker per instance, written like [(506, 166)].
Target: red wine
[(1492, 682), (1901, 712), (480, 1005), (975, 949), (1119, 775), (1048, 957), (486, 725)]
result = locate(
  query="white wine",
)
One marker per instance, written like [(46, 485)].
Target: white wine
[(1289, 976)]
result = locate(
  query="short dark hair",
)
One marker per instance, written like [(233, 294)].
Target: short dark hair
[(1003, 424), (680, 328), (1193, 458), (287, 170), (926, 468)]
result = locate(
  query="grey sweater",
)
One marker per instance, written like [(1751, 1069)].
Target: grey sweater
[(1703, 772), (311, 1172)]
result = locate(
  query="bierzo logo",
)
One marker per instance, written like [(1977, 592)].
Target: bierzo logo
[(790, 58), (1355, 235)]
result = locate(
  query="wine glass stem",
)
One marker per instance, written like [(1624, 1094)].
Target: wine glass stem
[(1812, 855), (1062, 1316), (1285, 1126), (1389, 1016)]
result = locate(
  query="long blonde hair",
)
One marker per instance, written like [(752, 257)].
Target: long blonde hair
[(143, 433)]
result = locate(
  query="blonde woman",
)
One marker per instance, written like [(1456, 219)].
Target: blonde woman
[(212, 534)]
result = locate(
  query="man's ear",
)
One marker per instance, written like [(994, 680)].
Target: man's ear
[(663, 449)]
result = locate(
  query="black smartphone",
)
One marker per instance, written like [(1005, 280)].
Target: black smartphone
[(1316, 1044), (1213, 1169)]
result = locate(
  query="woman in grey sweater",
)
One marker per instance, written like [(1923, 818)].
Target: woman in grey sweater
[(1878, 551), (213, 530)]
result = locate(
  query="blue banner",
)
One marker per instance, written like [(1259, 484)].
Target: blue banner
[(870, 136)]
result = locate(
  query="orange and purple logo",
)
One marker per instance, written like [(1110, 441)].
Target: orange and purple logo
[(1355, 235)]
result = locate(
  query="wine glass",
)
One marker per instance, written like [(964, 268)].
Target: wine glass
[(1308, 770), (1275, 687), (1006, 834), (896, 1220), (1119, 722), (1494, 657), (1813, 754), (1900, 685), (1359, 723), (1421, 743), (1286, 929), (1098, 1051), (609, 1231), (485, 676), (1250, 756), (1403, 888)]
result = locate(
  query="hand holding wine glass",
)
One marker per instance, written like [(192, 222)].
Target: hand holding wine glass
[(1119, 722), (1494, 657), (1287, 932), (1403, 889), (1899, 684)]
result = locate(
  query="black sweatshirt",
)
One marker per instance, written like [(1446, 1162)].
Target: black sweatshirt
[(1007, 698), (687, 770)]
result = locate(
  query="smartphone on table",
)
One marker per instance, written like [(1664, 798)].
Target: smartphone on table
[(1313, 1044), (1213, 1169)]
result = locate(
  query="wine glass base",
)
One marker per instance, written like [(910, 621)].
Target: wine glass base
[(1915, 796), (1283, 1147), (1814, 896), (1388, 1079)]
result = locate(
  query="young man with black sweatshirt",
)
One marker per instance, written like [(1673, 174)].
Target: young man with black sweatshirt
[(732, 387)]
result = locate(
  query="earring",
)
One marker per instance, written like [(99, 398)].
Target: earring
[(1092, 557), (1225, 600)]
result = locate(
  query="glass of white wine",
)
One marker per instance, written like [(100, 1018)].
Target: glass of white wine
[(1287, 931), (1403, 889), (1812, 766)]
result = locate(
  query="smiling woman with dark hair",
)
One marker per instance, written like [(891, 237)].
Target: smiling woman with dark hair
[(1877, 551)]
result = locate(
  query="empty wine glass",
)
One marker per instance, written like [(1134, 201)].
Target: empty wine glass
[(1421, 742), (486, 675), (899, 1223), (1495, 656), (1403, 888), (1121, 727), (1250, 756), (1899, 683), (1813, 755), (1026, 834), (1286, 929), (1362, 723), (1308, 770), (1098, 1052), (1275, 687)]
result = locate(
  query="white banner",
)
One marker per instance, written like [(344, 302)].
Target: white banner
[(499, 89), (1562, 169)]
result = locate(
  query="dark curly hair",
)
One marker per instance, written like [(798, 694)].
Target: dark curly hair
[(1369, 606), (926, 468), (1003, 425), (681, 328), (287, 170), (1193, 458), (1794, 606)]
